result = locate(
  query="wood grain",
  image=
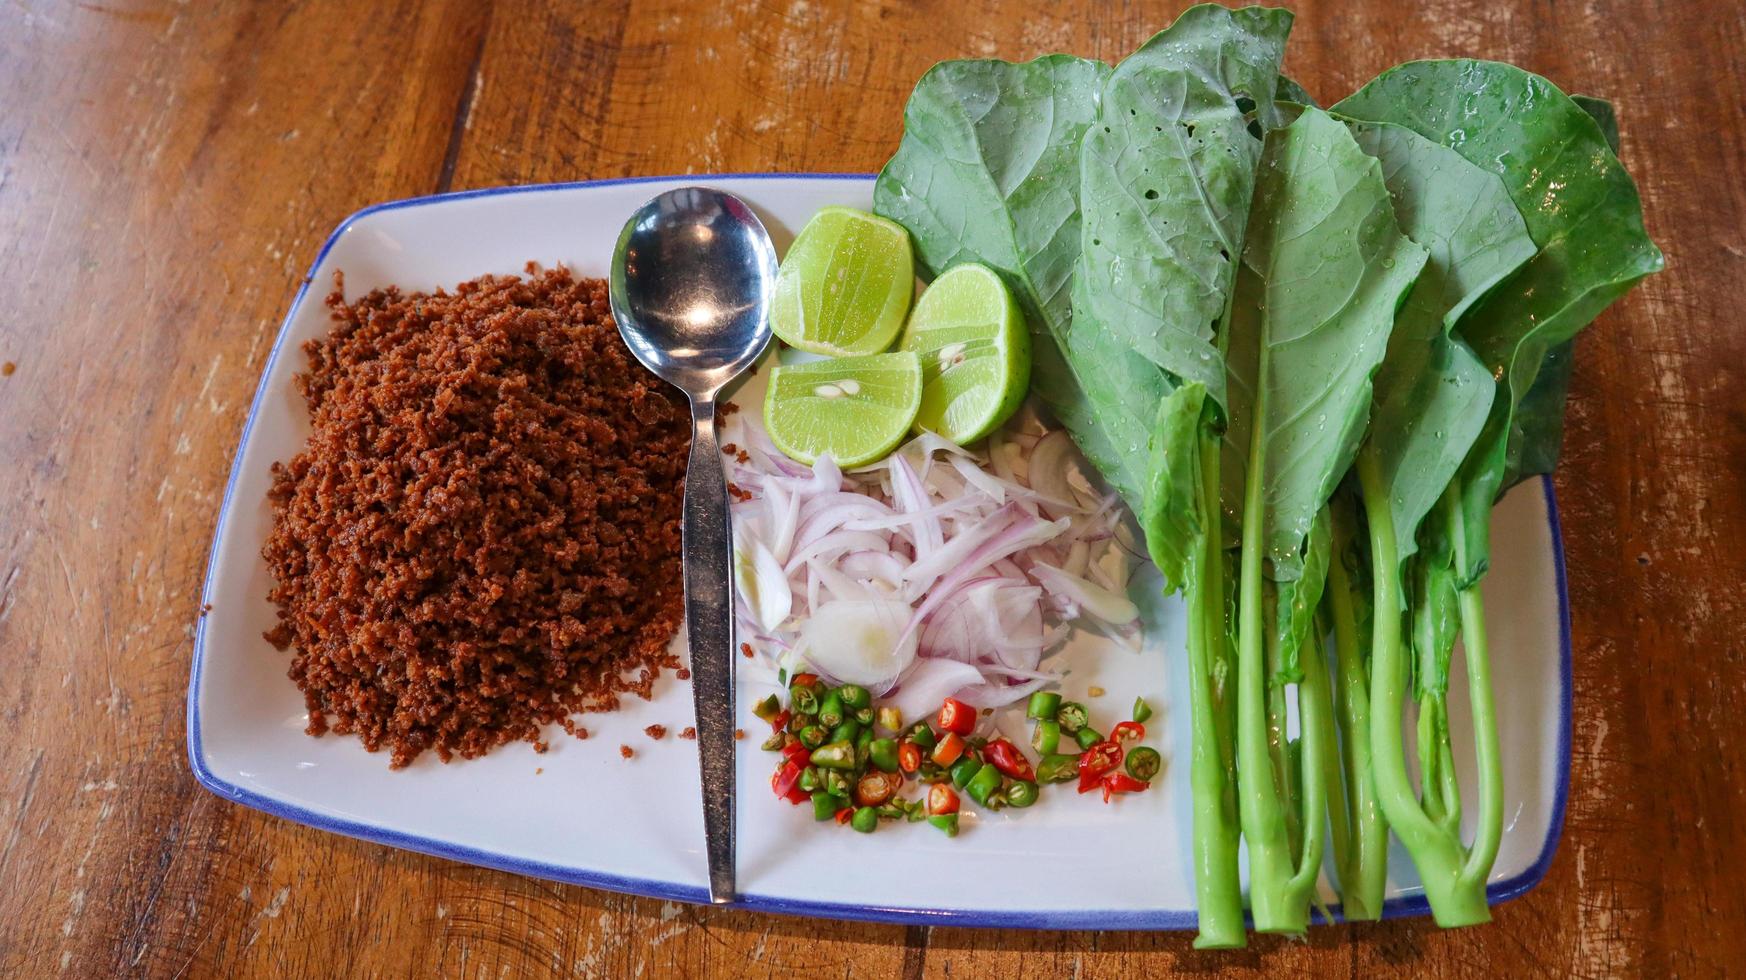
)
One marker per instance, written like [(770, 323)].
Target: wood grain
[(167, 171)]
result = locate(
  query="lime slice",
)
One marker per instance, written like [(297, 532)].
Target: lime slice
[(975, 353), (856, 409), (845, 284)]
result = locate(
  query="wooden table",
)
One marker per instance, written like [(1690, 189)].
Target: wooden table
[(167, 171)]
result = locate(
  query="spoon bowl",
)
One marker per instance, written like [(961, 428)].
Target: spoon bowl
[(693, 276), (692, 280)]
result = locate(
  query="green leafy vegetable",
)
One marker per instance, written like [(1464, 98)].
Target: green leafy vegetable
[(1581, 209), (1324, 270), (1167, 172)]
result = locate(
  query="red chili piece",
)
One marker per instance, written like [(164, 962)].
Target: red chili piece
[(1121, 782), (797, 752), (1006, 757), (780, 720), (957, 717), (1101, 758), (909, 757), (784, 783), (804, 680), (942, 799), (1127, 731)]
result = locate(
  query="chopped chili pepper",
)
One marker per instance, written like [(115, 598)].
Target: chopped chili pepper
[(957, 717), (890, 719), (767, 708), (941, 799), (796, 751), (950, 749), (947, 822), (812, 736), (809, 780), (785, 783), (882, 752), (863, 748), (775, 742), (1043, 704), (876, 788), (865, 820), (909, 758), (1007, 758), (1097, 760), (1144, 763), (1142, 710), (1121, 782), (1058, 769), (780, 719), (1072, 716), (834, 755), (845, 814), (983, 785), (923, 736), (1127, 731), (1087, 737), (830, 710), (855, 697), (1046, 737), (803, 680), (824, 805), (1021, 794), (966, 767)]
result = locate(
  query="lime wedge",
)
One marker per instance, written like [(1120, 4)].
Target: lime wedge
[(975, 353), (856, 409), (845, 284)]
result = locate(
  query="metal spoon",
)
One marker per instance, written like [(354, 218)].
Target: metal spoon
[(693, 276)]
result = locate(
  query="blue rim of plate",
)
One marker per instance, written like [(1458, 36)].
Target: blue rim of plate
[(1124, 919)]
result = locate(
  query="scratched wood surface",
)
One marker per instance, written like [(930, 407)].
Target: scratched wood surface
[(167, 171)]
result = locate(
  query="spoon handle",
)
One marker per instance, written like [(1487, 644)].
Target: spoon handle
[(709, 634)]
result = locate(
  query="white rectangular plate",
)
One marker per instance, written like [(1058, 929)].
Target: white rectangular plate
[(595, 819)]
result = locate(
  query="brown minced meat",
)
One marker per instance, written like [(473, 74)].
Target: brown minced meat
[(482, 535)]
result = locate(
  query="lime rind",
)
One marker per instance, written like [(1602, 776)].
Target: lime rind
[(845, 285), (854, 409)]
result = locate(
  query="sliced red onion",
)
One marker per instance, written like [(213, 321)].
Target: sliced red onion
[(1092, 599)]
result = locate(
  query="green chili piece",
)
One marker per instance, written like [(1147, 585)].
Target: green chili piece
[(1058, 769), (830, 710), (1021, 793), (1087, 737), (848, 731), (768, 708), (1144, 763), (1072, 716), (1046, 737), (864, 716), (1043, 705), (923, 736), (804, 699), (890, 718), (812, 736), (1142, 710), (964, 769), (799, 721), (863, 749), (865, 820), (891, 811), (810, 781), (983, 785), (834, 755), (836, 783), (947, 822), (824, 805), (855, 696), (883, 753), (775, 742)]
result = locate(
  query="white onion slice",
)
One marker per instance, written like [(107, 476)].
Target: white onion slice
[(1092, 599), (859, 641)]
